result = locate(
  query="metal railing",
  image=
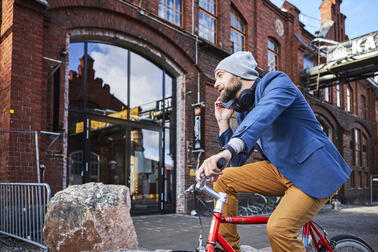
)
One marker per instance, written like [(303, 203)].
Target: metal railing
[(22, 211)]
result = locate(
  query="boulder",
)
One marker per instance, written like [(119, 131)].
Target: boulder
[(90, 217)]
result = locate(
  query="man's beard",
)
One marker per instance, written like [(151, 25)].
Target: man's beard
[(230, 92)]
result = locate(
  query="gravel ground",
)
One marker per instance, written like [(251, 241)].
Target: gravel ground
[(10, 244)]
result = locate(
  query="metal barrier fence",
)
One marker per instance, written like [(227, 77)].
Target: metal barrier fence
[(22, 211), (373, 191)]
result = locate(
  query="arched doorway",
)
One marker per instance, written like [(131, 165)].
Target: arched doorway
[(121, 108)]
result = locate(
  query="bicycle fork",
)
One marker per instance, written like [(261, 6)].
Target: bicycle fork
[(214, 236)]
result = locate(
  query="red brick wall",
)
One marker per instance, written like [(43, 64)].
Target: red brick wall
[(6, 36)]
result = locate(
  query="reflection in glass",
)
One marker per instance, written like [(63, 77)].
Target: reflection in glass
[(114, 150), (75, 140), (146, 87), (144, 168), (169, 168), (206, 20), (107, 79)]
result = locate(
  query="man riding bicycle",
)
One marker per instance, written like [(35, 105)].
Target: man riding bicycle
[(302, 165)]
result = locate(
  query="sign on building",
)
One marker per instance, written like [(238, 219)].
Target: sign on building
[(197, 127), (358, 47)]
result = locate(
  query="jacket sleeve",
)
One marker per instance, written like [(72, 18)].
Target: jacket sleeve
[(225, 137), (241, 157), (275, 98)]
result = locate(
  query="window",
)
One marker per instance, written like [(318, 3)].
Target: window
[(273, 55), (171, 11), (338, 95), (207, 20), (352, 182), (349, 100), (327, 96), (364, 151), (367, 179), (360, 180), (326, 126), (237, 33), (357, 147), (363, 107), (307, 61)]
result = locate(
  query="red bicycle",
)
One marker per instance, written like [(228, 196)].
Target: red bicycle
[(313, 238)]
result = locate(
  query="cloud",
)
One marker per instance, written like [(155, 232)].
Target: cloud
[(110, 65)]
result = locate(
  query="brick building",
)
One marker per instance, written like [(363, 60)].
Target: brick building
[(118, 80)]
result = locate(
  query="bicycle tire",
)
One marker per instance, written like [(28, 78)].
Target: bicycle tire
[(345, 242)]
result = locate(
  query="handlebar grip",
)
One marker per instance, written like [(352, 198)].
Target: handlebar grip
[(221, 164)]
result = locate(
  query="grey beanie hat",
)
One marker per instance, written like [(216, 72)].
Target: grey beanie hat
[(241, 64)]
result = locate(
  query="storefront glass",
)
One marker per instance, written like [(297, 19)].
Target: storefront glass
[(121, 124)]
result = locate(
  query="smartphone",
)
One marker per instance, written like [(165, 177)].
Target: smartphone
[(228, 104)]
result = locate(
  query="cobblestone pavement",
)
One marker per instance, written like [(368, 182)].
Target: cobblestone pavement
[(180, 232)]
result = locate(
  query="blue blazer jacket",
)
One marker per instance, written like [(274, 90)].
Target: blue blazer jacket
[(290, 137)]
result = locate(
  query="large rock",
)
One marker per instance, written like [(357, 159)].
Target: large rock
[(93, 216)]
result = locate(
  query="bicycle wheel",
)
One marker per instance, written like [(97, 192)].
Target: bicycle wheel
[(348, 243)]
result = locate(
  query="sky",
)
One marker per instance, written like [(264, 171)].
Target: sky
[(361, 15)]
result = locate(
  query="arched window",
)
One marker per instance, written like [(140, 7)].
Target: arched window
[(171, 10), (326, 126), (207, 20), (121, 123), (349, 99), (237, 32), (273, 55), (364, 151)]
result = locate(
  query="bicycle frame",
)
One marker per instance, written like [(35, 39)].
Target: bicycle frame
[(309, 229)]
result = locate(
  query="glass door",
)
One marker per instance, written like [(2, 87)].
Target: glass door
[(145, 172)]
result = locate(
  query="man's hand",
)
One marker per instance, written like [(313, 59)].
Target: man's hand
[(222, 114), (209, 166)]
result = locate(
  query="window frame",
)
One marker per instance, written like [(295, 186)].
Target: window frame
[(338, 95), (275, 53), (242, 33), (349, 100), (174, 12), (212, 16), (327, 94), (364, 154), (357, 152)]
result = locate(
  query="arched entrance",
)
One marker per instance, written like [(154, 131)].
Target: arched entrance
[(121, 108)]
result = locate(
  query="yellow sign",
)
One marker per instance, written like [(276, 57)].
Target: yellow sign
[(98, 124)]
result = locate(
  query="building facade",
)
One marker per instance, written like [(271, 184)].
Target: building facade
[(128, 87)]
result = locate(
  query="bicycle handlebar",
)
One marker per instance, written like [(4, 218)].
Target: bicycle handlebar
[(221, 164)]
